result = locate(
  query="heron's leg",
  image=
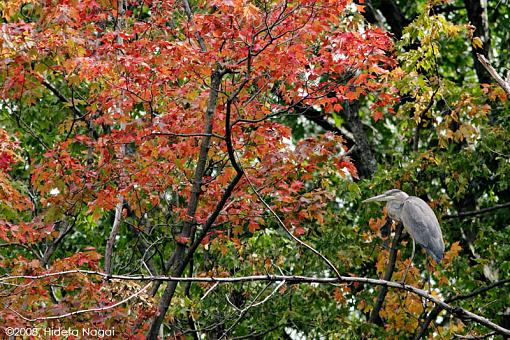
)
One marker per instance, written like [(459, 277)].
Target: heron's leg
[(428, 271), (410, 262)]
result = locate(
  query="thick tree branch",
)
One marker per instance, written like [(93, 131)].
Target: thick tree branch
[(393, 15), (356, 138), (505, 85), (318, 118), (290, 279), (183, 258), (363, 154)]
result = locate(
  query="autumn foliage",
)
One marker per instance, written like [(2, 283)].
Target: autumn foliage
[(152, 135)]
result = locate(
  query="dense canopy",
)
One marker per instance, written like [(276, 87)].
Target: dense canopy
[(196, 169)]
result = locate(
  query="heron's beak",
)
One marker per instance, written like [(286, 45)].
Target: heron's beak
[(378, 198)]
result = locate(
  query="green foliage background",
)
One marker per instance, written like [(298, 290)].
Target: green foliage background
[(461, 162)]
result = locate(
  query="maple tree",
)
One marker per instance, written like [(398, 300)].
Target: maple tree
[(149, 141)]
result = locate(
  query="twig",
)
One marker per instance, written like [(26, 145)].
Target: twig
[(269, 295), (97, 309), (257, 335), (189, 14), (280, 222), (478, 291), (208, 291), (246, 309), (171, 134), (477, 212), (484, 336)]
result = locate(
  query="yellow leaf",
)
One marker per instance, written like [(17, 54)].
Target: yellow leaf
[(477, 42), (455, 248), (414, 306)]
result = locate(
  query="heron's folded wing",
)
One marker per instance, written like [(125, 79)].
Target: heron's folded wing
[(421, 223)]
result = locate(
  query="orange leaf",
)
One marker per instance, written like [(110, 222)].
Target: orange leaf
[(299, 231), (182, 239), (253, 226), (377, 115), (339, 295)]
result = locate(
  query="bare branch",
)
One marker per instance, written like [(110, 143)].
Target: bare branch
[(280, 222), (171, 134), (209, 290), (82, 311), (437, 309), (113, 234), (478, 212), (484, 336), (247, 308), (291, 279), (504, 84)]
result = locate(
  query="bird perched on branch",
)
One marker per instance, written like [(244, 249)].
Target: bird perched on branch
[(418, 219)]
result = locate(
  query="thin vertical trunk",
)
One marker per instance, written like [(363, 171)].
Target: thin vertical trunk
[(121, 10), (180, 251), (374, 315)]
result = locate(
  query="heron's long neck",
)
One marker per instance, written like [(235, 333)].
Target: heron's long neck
[(394, 209)]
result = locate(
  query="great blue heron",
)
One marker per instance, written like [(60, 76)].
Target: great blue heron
[(418, 219)]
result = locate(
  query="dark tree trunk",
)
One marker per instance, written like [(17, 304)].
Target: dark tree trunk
[(477, 15), (362, 154)]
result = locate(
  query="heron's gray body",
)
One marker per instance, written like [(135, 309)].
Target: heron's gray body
[(418, 219)]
